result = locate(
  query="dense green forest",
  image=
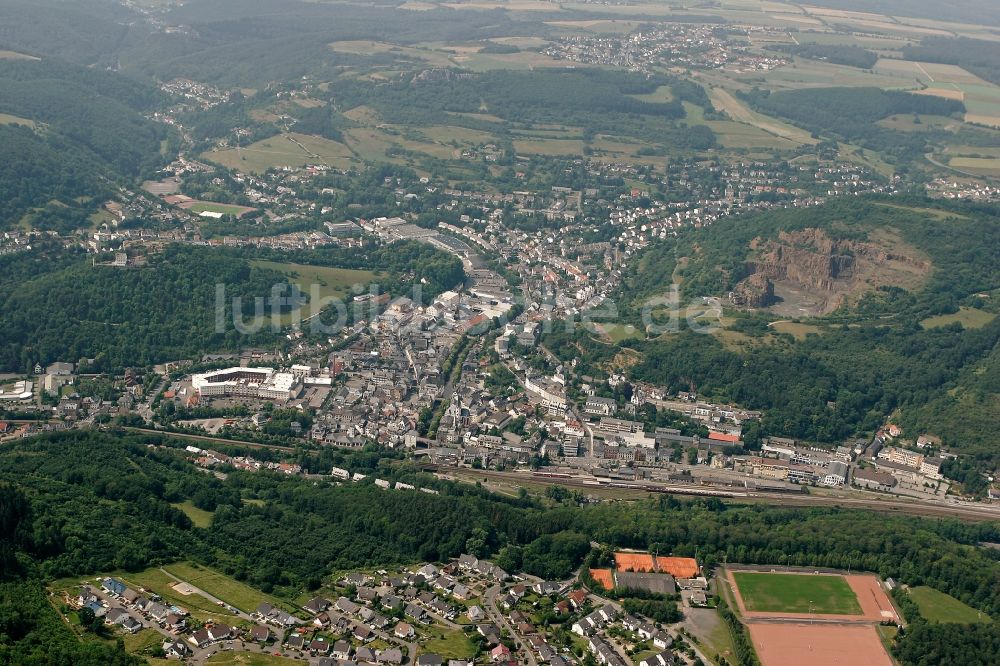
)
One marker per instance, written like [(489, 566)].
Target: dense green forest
[(867, 360), (166, 310), (851, 114), (36, 169), (61, 492), (86, 132), (140, 316), (99, 111), (85, 32)]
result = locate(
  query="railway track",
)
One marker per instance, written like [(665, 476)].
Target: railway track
[(904, 507)]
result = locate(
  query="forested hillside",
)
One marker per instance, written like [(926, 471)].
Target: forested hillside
[(98, 111), (166, 310), (86, 32), (36, 169), (83, 132), (159, 312), (867, 360), (61, 492), (233, 42), (598, 100), (962, 242)]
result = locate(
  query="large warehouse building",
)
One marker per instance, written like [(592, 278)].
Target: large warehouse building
[(248, 382)]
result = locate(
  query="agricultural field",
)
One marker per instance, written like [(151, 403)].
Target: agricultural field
[(233, 592), (14, 55), (661, 94), (918, 123), (524, 60), (612, 26), (939, 607), (797, 593), (455, 136), (980, 166), (376, 145), (780, 135), (548, 146), (367, 47), (290, 149), (796, 329), (981, 98), (803, 73), (620, 332)]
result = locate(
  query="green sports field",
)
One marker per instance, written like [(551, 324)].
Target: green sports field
[(796, 593)]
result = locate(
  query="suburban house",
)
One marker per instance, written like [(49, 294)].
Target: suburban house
[(317, 605), (176, 649), (665, 658), (363, 634), (260, 633), (390, 656), (113, 586), (403, 630), (428, 659), (341, 650), (500, 653)]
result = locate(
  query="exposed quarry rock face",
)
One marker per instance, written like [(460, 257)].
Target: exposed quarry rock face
[(438, 74), (809, 259), (757, 291)]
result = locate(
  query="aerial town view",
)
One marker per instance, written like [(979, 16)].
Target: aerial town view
[(500, 332)]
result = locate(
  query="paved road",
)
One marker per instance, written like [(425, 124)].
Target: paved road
[(491, 608), (146, 410)]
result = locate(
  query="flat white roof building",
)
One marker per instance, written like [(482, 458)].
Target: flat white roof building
[(21, 390), (248, 382)]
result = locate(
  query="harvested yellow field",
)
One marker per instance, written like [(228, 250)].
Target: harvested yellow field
[(980, 119), (947, 93), (722, 100)]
